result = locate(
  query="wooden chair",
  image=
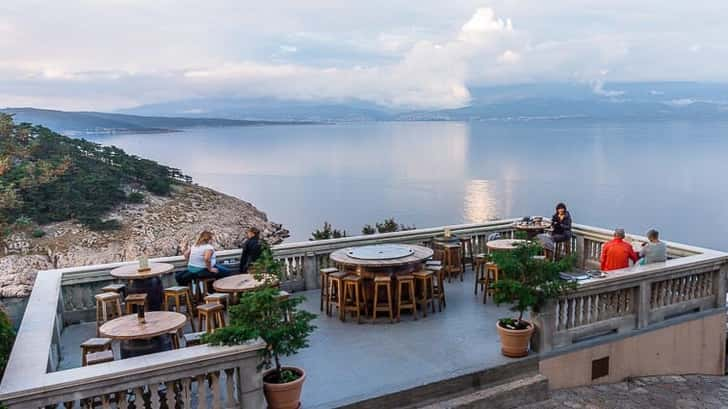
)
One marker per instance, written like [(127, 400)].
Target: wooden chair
[(92, 345), (108, 307), (438, 291), (385, 283), (451, 261), (335, 293), (491, 277), (424, 287), (212, 315), (479, 269), (406, 303), (466, 249), (354, 297), (115, 288), (180, 296), (135, 300), (324, 276)]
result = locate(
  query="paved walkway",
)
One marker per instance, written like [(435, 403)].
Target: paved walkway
[(659, 392)]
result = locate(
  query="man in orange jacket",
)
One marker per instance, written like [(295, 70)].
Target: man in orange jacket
[(616, 254)]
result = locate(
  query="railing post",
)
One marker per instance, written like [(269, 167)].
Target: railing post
[(545, 321), (580, 256), (311, 271), (719, 285), (250, 385), (644, 296)]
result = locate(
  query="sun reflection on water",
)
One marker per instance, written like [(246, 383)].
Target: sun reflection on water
[(480, 204)]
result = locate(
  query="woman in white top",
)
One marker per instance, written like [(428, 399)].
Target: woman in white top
[(201, 261)]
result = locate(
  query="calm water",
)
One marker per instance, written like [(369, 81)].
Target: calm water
[(668, 175)]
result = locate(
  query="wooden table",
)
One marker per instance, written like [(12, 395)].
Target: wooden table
[(241, 283), (504, 244), (368, 267), (143, 338), (532, 229), (147, 282)]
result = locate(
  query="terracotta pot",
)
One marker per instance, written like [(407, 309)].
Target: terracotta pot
[(514, 342), (284, 395)]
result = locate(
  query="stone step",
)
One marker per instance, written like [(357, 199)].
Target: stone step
[(514, 394), (451, 388)]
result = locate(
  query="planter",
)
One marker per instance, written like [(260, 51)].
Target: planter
[(284, 395), (514, 342)]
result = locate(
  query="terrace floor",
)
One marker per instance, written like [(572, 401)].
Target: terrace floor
[(347, 362)]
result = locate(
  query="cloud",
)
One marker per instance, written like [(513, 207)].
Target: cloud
[(598, 88)]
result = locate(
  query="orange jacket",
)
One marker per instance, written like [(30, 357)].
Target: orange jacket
[(616, 254)]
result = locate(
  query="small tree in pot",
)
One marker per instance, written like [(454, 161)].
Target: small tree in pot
[(281, 324), (527, 282)]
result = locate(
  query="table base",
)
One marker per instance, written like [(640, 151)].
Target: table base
[(139, 347), (153, 288)]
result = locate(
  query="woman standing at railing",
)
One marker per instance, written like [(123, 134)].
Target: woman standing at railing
[(201, 261)]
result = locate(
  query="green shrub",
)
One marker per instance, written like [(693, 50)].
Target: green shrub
[(7, 337), (135, 197), (327, 232), (23, 221), (38, 233), (96, 224)]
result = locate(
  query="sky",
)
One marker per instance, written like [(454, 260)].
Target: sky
[(113, 54)]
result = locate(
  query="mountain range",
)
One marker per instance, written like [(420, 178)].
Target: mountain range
[(545, 101)]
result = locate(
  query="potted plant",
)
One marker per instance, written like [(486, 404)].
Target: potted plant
[(281, 325), (526, 282)]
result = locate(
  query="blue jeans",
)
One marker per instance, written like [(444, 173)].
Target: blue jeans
[(185, 277)]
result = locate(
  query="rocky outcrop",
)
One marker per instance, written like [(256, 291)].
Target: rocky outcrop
[(161, 226)]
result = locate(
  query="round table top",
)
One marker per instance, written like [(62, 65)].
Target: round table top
[(131, 271), (240, 283), (380, 252), (504, 244), (531, 226), (418, 255), (156, 323)]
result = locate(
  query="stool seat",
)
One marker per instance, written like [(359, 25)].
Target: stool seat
[(382, 279), (106, 296), (210, 307), (176, 289), (99, 357), (139, 300), (113, 288), (419, 274), (136, 297), (194, 338), (329, 270), (433, 263), (220, 298), (212, 315), (101, 343)]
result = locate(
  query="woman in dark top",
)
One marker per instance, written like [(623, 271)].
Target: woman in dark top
[(251, 249), (561, 225)]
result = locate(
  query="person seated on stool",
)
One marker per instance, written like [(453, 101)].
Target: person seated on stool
[(251, 249), (561, 229), (201, 261), (654, 251), (617, 253)]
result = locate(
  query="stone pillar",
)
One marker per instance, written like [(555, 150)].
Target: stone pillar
[(545, 322), (311, 279), (644, 294), (580, 256), (250, 385)]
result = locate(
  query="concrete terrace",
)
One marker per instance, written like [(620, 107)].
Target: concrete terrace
[(348, 363)]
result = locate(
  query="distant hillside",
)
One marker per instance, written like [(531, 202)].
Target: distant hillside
[(595, 100), (99, 122)]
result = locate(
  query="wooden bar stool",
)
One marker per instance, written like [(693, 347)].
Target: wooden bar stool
[(193, 338), (115, 288), (438, 291), (181, 296), (491, 277), (466, 248), (335, 292), (108, 307), (94, 358), (92, 345), (174, 337), (200, 287), (479, 269), (212, 315), (135, 300), (406, 303), (219, 298), (324, 275), (354, 297), (451, 261), (383, 282), (424, 288)]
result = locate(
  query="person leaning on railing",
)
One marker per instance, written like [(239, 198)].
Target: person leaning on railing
[(617, 253), (654, 251), (201, 261), (251, 249)]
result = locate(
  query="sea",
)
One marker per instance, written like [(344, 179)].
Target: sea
[(667, 175)]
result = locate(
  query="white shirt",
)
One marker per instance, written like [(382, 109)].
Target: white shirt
[(197, 256)]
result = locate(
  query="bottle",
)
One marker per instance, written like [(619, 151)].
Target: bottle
[(140, 315)]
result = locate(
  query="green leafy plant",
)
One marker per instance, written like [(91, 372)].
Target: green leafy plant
[(279, 322), (328, 232), (38, 233), (390, 226), (7, 337), (528, 281), (368, 229), (135, 197), (266, 264)]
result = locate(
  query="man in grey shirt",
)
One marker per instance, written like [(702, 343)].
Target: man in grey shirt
[(654, 251)]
